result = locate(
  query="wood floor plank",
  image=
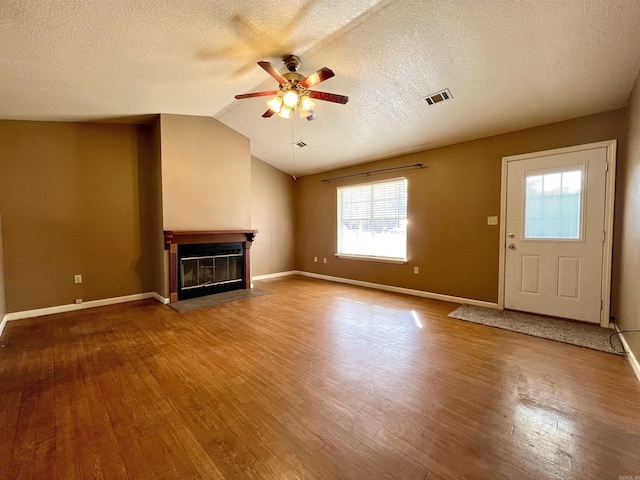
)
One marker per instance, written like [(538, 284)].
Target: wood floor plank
[(24, 446), (314, 380), (67, 463), (114, 385), (89, 462), (44, 459), (13, 420)]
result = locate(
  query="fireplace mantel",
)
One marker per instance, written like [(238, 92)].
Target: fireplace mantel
[(173, 238), (177, 237)]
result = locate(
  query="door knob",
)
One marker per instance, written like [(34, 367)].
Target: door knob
[(511, 235), (512, 246)]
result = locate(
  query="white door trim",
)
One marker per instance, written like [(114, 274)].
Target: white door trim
[(608, 220)]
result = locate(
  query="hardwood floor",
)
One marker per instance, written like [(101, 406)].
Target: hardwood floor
[(313, 380)]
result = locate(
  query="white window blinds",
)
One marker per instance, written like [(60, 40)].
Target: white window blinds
[(372, 219)]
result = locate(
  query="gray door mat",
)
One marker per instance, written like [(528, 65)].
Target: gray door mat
[(582, 335)]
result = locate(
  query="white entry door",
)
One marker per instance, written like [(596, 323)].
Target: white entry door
[(555, 234)]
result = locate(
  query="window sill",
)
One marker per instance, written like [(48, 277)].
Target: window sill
[(398, 261)]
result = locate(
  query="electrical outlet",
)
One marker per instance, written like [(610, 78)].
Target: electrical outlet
[(77, 279), (315, 259), (492, 220), (415, 270), (78, 300), (325, 260)]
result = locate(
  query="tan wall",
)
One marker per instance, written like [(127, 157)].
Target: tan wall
[(3, 305), (150, 190), (449, 239), (206, 175), (273, 215), (628, 228), (69, 194)]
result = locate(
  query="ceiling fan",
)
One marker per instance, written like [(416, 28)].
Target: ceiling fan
[(293, 92)]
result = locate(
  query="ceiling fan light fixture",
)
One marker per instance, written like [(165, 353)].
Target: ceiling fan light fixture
[(285, 112), (275, 104), (294, 90), (290, 99), (306, 104)]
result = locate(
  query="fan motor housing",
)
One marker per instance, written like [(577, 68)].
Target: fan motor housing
[(292, 62), (294, 78)]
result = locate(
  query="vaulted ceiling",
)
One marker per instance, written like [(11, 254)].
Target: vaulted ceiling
[(509, 64)]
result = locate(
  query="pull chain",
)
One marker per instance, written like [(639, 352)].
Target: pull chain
[(293, 149)]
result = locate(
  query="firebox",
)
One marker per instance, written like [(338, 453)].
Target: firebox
[(209, 268)]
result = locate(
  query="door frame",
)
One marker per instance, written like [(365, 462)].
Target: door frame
[(607, 257)]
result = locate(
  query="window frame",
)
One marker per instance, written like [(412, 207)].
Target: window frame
[(372, 258), (583, 182)]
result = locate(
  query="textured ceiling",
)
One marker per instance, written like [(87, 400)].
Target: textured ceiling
[(509, 65)]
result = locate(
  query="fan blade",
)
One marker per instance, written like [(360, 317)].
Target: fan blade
[(329, 97), (315, 78), (268, 113), (312, 116), (273, 71), (256, 94)]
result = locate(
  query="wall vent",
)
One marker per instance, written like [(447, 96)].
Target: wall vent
[(299, 144), (438, 97)]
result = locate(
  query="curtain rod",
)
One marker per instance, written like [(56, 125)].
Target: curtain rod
[(415, 165)]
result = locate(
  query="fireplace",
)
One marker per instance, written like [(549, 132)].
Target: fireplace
[(209, 268), (207, 262)]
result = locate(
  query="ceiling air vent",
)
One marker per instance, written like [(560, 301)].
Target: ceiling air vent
[(299, 144), (438, 97)]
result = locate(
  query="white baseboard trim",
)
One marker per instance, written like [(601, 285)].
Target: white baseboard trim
[(160, 298), (406, 291), (3, 323), (274, 275), (630, 356), (38, 312)]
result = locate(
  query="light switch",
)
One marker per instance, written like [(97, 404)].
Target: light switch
[(77, 279), (492, 220)]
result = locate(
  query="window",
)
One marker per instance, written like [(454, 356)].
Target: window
[(372, 220), (552, 207)]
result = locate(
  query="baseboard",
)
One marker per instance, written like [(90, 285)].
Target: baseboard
[(3, 323), (406, 291), (38, 312), (274, 275), (160, 298), (630, 356)]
